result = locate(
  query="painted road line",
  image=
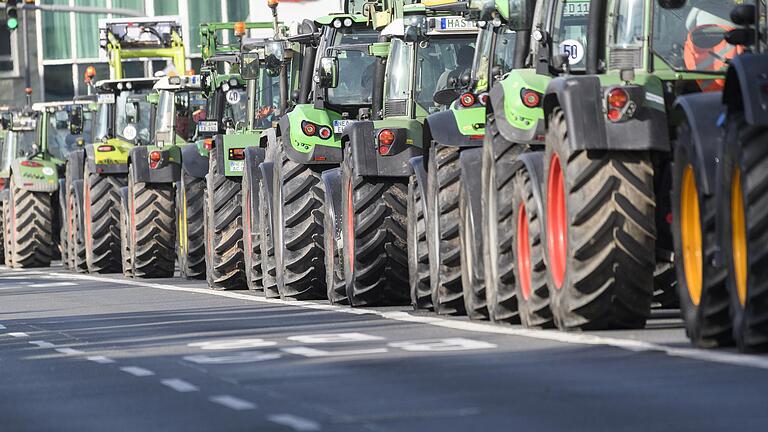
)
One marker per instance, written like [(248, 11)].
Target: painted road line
[(51, 284), (734, 359), (294, 422), (17, 334), (137, 371), (42, 344), (232, 402), (69, 351), (179, 385), (2, 327), (100, 359)]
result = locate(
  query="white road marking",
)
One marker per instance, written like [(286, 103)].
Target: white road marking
[(734, 359), (4, 278), (324, 338), (314, 352), (100, 359), (294, 422), (42, 344), (232, 402), (179, 385), (449, 344), (51, 284), (69, 351), (18, 334), (228, 344), (236, 358), (137, 371), (2, 327)]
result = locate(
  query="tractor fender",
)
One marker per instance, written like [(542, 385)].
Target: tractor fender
[(418, 169), (581, 98), (124, 199), (268, 137), (267, 173), (40, 180), (90, 159), (333, 194), (506, 129), (441, 127), (701, 111), (366, 160), (77, 189), (76, 160), (533, 162), (193, 164), (319, 155), (169, 172), (254, 156), (744, 87), (62, 197), (471, 163)]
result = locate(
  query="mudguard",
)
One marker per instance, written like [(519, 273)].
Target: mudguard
[(254, 156), (533, 162), (333, 193), (318, 154), (506, 129), (745, 86), (471, 163), (702, 111), (366, 160), (418, 169), (113, 161), (76, 160), (77, 189), (43, 178), (269, 137), (442, 127), (169, 172), (193, 164), (124, 199), (581, 98), (62, 198)]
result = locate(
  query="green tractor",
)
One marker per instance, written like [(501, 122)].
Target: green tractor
[(717, 199), (366, 244), (36, 145), (100, 169), (335, 90)]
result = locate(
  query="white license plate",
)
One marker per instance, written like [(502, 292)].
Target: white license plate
[(455, 24), (208, 126), (339, 125), (236, 165), (106, 98)]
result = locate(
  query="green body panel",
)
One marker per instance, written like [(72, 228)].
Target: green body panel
[(469, 121), (115, 157), (414, 134), (235, 168), (304, 144), (517, 114)]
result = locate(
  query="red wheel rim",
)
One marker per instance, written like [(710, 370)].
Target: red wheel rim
[(557, 223), (523, 252), (350, 246)]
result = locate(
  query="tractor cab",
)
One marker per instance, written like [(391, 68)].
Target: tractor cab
[(180, 106)]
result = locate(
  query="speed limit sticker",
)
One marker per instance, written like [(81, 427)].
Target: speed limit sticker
[(233, 97), (573, 49)]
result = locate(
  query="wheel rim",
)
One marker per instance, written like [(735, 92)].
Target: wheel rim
[(350, 246), (523, 252), (690, 233), (557, 223), (739, 237)]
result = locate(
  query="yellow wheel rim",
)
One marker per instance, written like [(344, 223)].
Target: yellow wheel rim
[(739, 237), (690, 230)]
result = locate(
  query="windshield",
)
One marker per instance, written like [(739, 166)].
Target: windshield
[(355, 68), (398, 70), (60, 141), (21, 143), (441, 61), (503, 55), (235, 105), (101, 122), (133, 116), (692, 36), (164, 114), (570, 31), (268, 100)]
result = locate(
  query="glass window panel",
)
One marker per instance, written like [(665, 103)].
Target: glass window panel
[(237, 10), (56, 42), (137, 5), (6, 65), (58, 82), (166, 7), (200, 12), (87, 28), (5, 41), (102, 72), (134, 69)]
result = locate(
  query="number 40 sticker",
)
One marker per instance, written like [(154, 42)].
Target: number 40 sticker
[(573, 49)]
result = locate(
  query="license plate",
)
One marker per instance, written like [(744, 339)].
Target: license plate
[(208, 126), (455, 24), (106, 98), (236, 165), (339, 125)]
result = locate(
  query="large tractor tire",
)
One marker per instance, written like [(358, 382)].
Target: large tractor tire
[(498, 224), (471, 251), (335, 281), (704, 299), (745, 220), (443, 223), (30, 228), (600, 233), (152, 228), (298, 237), (665, 286), (190, 251), (374, 236), (63, 217), (418, 250), (251, 232), (528, 242), (268, 265), (78, 243), (7, 259), (224, 228), (125, 235), (101, 214)]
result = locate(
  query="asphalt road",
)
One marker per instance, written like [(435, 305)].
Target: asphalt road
[(100, 353)]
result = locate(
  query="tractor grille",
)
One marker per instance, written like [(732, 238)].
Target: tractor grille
[(626, 58), (395, 108)]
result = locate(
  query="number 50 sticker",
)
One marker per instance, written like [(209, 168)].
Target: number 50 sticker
[(573, 49)]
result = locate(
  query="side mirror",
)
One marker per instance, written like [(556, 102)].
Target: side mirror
[(445, 96), (249, 69), (671, 4), (741, 36), (520, 14), (744, 15), (328, 72)]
